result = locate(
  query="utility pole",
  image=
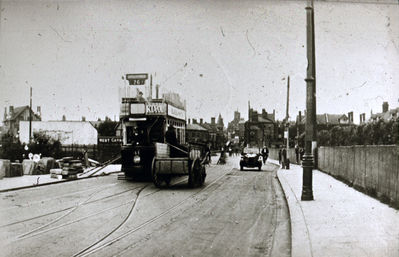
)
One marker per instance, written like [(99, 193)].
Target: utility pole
[(310, 126), (30, 116), (287, 112)]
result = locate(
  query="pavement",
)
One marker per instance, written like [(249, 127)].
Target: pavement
[(28, 181), (340, 221)]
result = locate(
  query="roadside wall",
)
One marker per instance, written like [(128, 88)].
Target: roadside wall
[(67, 132), (372, 169)]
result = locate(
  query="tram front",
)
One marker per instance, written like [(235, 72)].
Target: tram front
[(143, 124)]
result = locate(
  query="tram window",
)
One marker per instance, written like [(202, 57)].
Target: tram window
[(135, 135)]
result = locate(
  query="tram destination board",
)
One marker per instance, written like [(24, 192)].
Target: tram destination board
[(137, 79)]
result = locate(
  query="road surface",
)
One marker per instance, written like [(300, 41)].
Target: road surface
[(236, 213)]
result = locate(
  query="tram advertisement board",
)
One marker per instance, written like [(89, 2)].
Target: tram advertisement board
[(176, 112), (155, 108)]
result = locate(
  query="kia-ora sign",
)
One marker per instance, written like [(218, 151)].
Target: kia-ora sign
[(155, 108)]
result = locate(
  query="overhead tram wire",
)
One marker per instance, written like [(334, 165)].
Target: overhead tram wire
[(345, 2)]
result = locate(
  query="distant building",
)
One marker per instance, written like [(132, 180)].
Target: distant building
[(327, 119), (195, 133), (217, 136), (234, 129), (386, 114), (15, 115), (260, 129), (67, 132)]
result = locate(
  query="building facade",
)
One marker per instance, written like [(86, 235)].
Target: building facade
[(14, 116), (67, 132), (260, 129)]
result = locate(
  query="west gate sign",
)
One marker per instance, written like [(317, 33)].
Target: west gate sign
[(109, 140)]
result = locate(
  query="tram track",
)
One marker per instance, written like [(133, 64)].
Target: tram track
[(70, 208), (82, 252), (57, 197), (116, 228), (148, 222)]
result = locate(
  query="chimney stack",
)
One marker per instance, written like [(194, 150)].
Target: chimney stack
[(157, 91), (350, 117), (39, 110), (300, 117), (194, 121), (201, 121), (11, 111), (213, 119), (150, 95), (362, 118), (385, 106), (188, 121)]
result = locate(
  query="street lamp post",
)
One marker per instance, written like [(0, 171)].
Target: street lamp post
[(310, 130)]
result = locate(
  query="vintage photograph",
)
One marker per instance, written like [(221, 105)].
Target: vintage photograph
[(199, 128)]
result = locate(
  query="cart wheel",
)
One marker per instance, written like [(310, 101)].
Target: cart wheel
[(155, 178), (203, 174), (167, 180), (194, 175)]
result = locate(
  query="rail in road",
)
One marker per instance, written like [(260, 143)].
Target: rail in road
[(93, 249), (125, 203)]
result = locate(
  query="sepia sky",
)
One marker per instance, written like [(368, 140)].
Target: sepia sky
[(216, 54)]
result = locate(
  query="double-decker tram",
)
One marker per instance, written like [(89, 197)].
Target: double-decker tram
[(144, 124), (153, 132)]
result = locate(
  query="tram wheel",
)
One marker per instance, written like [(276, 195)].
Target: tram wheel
[(195, 174), (155, 178)]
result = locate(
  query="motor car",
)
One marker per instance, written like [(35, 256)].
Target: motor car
[(250, 158)]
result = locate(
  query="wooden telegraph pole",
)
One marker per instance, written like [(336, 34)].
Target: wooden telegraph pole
[(310, 126), (30, 116), (287, 113)]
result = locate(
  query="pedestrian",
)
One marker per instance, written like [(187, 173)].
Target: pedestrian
[(284, 158), (207, 153), (265, 154), (222, 158), (301, 153), (86, 157), (297, 153), (279, 156)]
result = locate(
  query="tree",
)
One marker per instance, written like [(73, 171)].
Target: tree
[(107, 128), (323, 137), (11, 149), (45, 145)]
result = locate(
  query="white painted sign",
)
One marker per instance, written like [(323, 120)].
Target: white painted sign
[(155, 109), (137, 108), (176, 112)]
